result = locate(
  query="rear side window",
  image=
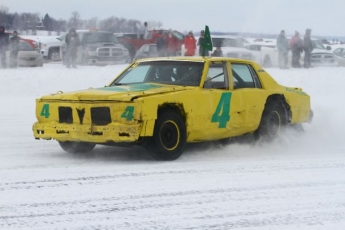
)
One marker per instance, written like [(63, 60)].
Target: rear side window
[(244, 76)]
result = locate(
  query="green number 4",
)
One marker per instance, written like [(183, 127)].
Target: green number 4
[(222, 113), (45, 111), (128, 113)]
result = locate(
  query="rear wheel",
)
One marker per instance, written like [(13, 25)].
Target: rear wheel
[(273, 118), (76, 147), (169, 137)]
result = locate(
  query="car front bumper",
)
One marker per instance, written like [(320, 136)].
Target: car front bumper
[(113, 132)]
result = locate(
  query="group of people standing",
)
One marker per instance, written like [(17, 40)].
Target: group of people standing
[(11, 44), (297, 46), (167, 45)]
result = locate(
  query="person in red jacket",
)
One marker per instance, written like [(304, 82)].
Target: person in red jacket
[(171, 44), (190, 44)]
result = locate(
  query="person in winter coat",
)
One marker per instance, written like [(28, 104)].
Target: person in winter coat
[(14, 49), (296, 45), (4, 41), (190, 44), (283, 50), (161, 44), (72, 42), (200, 40), (217, 52), (307, 47), (171, 43)]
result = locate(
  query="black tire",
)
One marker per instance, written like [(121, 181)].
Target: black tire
[(54, 55), (169, 137), (267, 62), (272, 121), (76, 147)]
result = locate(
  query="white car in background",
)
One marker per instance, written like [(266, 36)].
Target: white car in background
[(320, 56), (232, 47), (27, 56), (339, 54), (255, 46), (50, 47)]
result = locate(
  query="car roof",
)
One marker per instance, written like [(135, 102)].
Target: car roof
[(194, 59)]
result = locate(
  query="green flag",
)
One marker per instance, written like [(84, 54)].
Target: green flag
[(207, 41)]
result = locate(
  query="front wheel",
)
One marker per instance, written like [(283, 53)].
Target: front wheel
[(76, 147), (169, 137)]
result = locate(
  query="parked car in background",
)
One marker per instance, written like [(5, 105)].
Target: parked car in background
[(27, 55), (232, 47), (320, 56), (50, 47), (339, 54), (98, 48), (134, 42), (146, 51), (255, 48)]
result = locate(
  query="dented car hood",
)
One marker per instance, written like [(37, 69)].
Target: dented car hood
[(116, 93)]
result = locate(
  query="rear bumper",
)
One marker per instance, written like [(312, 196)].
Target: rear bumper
[(114, 132)]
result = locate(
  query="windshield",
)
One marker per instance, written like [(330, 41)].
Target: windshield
[(227, 42), (98, 37), (317, 44), (182, 73)]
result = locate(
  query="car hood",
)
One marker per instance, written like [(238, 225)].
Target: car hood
[(321, 51), (116, 93), (235, 49)]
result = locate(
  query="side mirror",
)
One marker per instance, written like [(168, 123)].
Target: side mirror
[(328, 48)]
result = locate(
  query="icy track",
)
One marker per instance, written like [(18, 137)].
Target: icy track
[(297, 182)]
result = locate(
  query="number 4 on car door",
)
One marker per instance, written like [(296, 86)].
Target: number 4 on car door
[(222, 113)]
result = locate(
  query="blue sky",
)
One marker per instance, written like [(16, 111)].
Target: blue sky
[(266, 16)]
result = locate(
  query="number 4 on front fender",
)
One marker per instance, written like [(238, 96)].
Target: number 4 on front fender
[(222, 113)]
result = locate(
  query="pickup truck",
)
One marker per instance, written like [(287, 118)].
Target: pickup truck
[(98, 48), (133, 42)]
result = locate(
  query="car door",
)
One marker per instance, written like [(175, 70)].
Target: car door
[(248, 98), (230, 103)]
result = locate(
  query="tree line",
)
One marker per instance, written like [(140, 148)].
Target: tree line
[(33, 22)]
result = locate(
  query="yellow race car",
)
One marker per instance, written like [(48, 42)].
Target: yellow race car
[(165, 103)]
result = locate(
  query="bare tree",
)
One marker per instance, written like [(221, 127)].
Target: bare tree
[(92, 23), (75, 21), (154, 25)]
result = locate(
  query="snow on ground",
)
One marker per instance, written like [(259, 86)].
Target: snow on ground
[(297, 182)]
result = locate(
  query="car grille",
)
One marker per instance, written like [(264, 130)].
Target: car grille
[(65, 115), (109, 52), (28, 58), (322, 58), (109, 58), (99, 115)]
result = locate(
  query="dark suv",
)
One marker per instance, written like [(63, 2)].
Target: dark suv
[(99, 48)]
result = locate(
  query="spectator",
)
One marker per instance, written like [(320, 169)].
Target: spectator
[(72, 42), (217, 52), (4, 41), (283, 49), (296, 45), (161, 44), (200, 40), (190, 44), (308, 47), (145, 31), (171, 44), (14, 49)]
